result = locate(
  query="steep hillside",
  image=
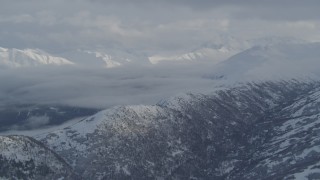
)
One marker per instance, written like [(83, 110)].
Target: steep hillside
[(258, 130), (25, 158)]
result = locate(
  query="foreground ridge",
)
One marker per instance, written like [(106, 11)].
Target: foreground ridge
[(25, 158), (265, 130)]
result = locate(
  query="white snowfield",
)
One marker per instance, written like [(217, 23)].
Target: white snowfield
[(14, 58), (206, 54)]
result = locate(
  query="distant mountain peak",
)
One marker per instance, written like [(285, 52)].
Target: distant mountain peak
[(271, 61), (14, 58)]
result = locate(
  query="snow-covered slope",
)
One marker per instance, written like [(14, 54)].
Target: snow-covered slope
[(200, 55), (253, 131), (12, 58), (207, 52), (25, 158), (264, 130), (110, 58), (214, 51), (272, 61), (221, 49), (29, 57), (109, 61)]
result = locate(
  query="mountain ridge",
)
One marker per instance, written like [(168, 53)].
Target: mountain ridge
[(177, 139), (14, 58), (250, 131), (24, 158)]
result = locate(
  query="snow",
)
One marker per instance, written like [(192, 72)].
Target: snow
[(303, 175), (226, 166), (83, 138), (22, 149), (205, 54), (176, 101), (108, 59), (126, 170), (295, 126), (177, 152), (14, 58), (306, 152), (277, 61)]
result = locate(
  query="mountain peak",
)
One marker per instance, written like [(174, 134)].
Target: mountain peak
[(278, 60), (13, 58)]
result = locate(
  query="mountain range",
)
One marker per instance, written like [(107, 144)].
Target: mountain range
[(213, 52), (266, 130), (14, 58), (271, 62), (261, 121)]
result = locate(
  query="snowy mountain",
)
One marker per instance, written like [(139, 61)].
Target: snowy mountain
[(14, 58), (222, 48), (25, 158), (260, 128), (200, 55), (272, 61), (212, 52), (253, 131), (110, 58)]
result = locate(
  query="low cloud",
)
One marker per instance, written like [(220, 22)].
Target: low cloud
[(33, 122), (36, 122), (150, 25), (100, 88), (147, 84)]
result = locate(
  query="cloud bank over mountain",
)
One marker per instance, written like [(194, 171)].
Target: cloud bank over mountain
[(99, 87), (137, 34), (150, 26)]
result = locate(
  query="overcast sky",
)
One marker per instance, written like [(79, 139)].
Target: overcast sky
[(151, 25)]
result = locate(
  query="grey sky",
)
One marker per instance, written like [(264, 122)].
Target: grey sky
[(151, 25)]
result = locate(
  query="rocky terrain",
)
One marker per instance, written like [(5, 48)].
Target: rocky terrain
[(265, 130), (25, 158)]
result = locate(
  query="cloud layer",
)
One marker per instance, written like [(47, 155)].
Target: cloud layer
[(150, 25), (144, 26), (99, 88)]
